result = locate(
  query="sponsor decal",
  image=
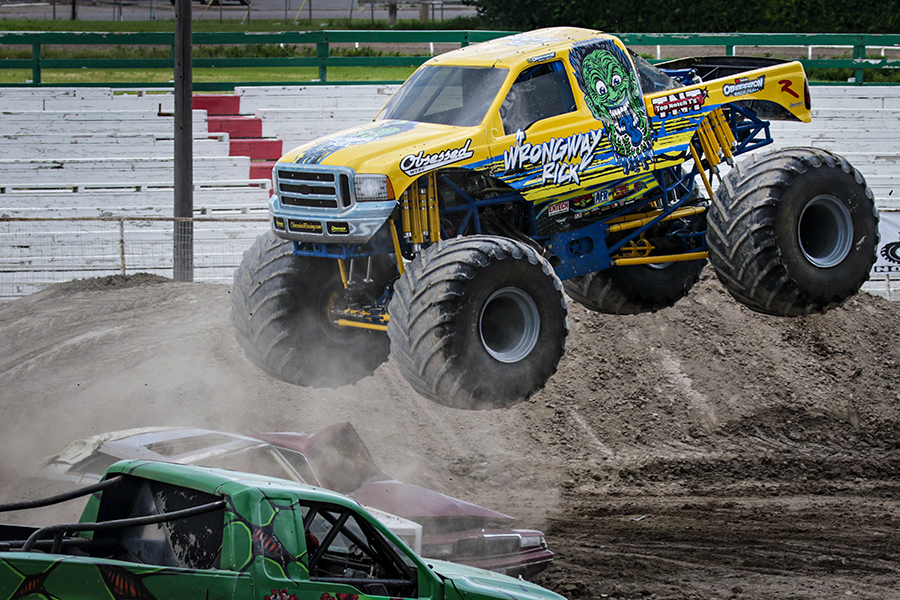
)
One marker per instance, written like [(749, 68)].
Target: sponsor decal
[(558, 208), (279, 223), (416, 164), (786, 87), (562, 159), (542, 57), (889, 252), (627, 189), (296, 226), (338, 228), (744, 85), (601, 197), (680, 103)]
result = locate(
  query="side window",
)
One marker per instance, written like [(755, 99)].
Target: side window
[(539, 92), (192, 543), (344, 548)]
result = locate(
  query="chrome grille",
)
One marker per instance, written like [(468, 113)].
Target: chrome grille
[(489, 545), (313, 187)]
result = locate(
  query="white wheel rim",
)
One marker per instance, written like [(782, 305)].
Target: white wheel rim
[(509, 325), (825, 231)]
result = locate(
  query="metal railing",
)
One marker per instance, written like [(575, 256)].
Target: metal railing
[(858, 46), (322, 40)]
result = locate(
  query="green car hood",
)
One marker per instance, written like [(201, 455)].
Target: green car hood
[(470, 583)]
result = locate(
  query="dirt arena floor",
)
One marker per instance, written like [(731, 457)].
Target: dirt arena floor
[(701, 452)]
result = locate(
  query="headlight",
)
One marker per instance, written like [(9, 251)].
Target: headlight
[(437, 551), (533, 540), (372, 188)]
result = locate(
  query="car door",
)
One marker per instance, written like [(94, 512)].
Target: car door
[(545, 141)]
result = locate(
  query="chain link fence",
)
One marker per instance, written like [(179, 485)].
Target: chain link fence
[(885, 286), (36, 252)]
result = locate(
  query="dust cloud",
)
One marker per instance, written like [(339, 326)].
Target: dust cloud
[(703, 451), (93, 356)]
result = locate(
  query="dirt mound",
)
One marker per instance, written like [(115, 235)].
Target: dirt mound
[(703, 451)]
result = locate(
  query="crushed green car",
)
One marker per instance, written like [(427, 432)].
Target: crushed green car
[(156, 531)]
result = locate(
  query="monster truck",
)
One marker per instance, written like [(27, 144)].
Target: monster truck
[(155, 530), (502, 176)]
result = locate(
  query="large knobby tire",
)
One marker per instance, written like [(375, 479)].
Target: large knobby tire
[(793, 232), (635, 289), (478, 322), (280, 311)]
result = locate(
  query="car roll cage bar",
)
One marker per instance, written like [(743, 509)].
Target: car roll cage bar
[(60, 531)]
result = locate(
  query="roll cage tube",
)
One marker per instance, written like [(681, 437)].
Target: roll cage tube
[(85, 491), (379, 550), (59, 530)]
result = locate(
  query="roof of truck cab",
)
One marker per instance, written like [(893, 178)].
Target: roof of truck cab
[(222, 481), (514, 49)]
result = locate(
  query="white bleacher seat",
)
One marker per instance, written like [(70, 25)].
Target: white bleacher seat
[(371, 97)]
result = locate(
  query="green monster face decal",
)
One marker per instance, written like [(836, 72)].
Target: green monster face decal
[(613, 93)]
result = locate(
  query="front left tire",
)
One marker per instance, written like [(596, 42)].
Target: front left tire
[(281, 311), (478, 322)]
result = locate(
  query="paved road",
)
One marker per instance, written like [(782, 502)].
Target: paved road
[(134, 10)]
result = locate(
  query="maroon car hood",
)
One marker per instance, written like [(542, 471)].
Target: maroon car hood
[(414, 502)]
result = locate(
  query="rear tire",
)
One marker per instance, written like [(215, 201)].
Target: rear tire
[(635, 289), (478, 322), (793, 232), (280, 310)]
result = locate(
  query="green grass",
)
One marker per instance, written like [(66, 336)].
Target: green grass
[(218, 75), (205, 51), (209, 21), (869, 75), (246, 75)]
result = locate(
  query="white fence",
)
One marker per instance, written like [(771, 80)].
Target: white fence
[(38, 251)]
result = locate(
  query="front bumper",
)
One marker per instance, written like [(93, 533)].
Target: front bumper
[(493, 550), (317, 204)]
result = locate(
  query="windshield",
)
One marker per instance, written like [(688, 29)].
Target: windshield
[(457, 96)]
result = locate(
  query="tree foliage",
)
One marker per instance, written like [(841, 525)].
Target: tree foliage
[(696, 16)]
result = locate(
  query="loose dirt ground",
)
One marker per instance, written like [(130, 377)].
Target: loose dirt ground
[(704, 451)]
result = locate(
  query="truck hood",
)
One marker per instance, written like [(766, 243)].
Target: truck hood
[(470, 583), (395, 148)]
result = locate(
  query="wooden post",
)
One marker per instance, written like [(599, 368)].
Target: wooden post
[(36, 64), (183, 243), (322, 52)]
